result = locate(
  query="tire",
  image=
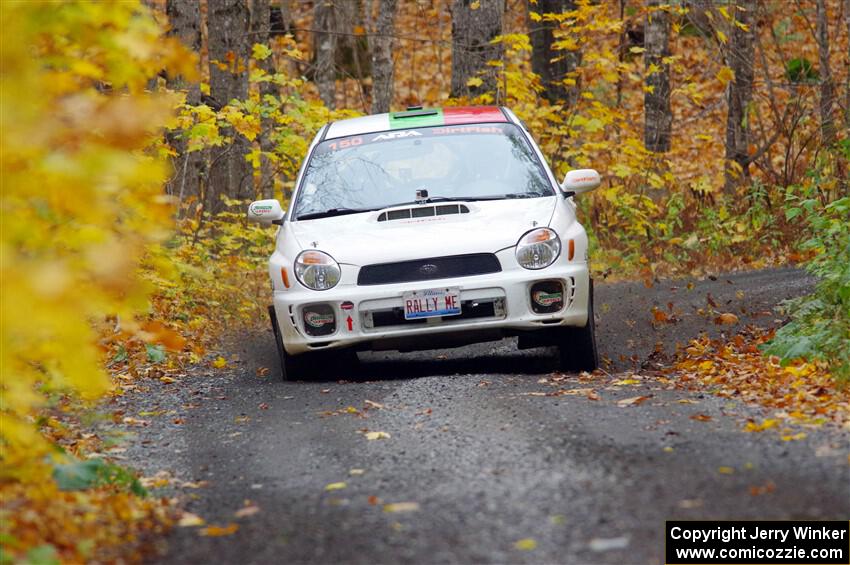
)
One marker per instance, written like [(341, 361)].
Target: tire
[(291, 368), (578, 345)]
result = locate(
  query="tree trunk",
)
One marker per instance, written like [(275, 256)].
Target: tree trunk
[(324, 48), (847, 80), (827, 93), (229, 45), (474, 24), (550, 65), (184, 17), (739, 57), (658, 118), (260, 28), (381, 45)]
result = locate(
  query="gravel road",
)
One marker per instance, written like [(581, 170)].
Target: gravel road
[(484, 464)]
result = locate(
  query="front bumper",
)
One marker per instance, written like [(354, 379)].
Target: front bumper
[(493, 306)]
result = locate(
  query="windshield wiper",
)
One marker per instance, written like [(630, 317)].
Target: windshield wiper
[(433, 199), (526, 195), (334, 212)]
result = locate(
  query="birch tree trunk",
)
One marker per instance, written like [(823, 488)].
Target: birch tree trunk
[(229, 45), (184, 17), (550, 65), (658, 118), (474, 24), (381, 45), (739, 57), (324, 49)]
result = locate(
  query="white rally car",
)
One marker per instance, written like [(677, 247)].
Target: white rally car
[(426, 229)]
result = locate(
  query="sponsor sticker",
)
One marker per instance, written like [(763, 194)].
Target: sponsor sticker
[(318, 320), (261, 209), (547, 298)]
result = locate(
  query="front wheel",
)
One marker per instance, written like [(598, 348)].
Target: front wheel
[(578, 345), (291, 368)]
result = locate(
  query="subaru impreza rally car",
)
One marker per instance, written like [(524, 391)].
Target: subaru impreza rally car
[(427, 229)]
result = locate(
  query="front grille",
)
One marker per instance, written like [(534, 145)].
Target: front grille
[(429, 269)]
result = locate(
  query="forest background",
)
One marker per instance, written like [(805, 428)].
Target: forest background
[(133, 134)]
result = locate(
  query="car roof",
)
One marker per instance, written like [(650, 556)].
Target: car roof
[(415, 117)]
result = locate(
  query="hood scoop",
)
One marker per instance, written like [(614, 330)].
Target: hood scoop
[(423, 212)]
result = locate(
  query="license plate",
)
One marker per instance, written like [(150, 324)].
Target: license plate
[(431, 303)]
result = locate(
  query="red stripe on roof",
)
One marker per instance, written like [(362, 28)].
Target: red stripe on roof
[(472, 115)]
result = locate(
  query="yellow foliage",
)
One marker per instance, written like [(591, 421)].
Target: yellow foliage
[(81, 201)]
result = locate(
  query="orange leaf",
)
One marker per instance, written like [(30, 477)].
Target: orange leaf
[(726, 319), (218, 531)]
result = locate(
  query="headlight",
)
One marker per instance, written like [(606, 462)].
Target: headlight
[(538, 248), (317, 270)]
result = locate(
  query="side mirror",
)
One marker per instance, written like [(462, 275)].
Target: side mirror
[(579, 181), (266, 212)]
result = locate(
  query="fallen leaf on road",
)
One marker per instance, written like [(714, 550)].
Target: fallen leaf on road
[(800, 435), (189, 520), (355, 472), (668, 449), (765, 425), (262, 371), (687, 401), (726, 319), (247, 511), (766, 488), (592, 395), (401, 507), (373, 500), (371, 436), (335, 486), (263, 406), (725, 470), (166, 380), (635, 400), (218, 531), (325, 390), (371, 404), (219, 363), (701, 417), (199, 484), (625, 382), (526, 544), (607, 544), (690, 503)]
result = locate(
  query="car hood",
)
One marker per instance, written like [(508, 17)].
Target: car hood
[(360, 239)]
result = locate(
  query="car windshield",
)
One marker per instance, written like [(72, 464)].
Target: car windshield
[(379, 170)]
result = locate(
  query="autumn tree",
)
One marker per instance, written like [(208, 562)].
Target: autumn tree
[(381, 46), (658, 118), (229, 24), (474, 25), (184, 18), (739, 94), (552, 66), (324, 50)]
